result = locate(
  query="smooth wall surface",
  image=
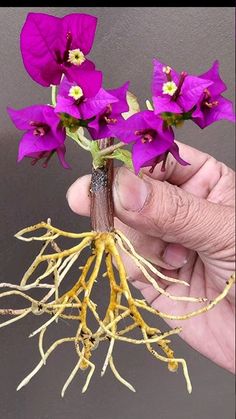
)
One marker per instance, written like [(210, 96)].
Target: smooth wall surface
[(127, 40)]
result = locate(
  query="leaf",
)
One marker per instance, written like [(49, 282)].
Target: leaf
[(81, 135), (149, 105), (133, 105), (78, 136), (124, 156)]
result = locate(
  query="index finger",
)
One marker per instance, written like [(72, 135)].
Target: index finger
[(174, 172)]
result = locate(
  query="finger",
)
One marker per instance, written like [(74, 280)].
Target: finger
[(174, 172), (199, 178), (166, 211), (164, 255), (78, 195), (169, 256)]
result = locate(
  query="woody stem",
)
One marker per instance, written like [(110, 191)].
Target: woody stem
[(102, 209)]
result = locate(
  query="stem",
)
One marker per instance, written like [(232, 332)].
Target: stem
[(102, 209), (54, 94), (111, 148), (79, 138)]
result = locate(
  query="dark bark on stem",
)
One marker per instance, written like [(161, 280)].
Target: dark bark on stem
[(102, 209)]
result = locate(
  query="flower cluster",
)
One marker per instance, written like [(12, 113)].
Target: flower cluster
[(54, 52)]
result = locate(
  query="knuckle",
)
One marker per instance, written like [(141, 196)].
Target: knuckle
[(171, 210)]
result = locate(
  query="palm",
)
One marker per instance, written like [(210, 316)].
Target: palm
[(211, 333)]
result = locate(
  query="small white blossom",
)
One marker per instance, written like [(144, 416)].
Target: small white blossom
[(169, 88), (76, 57), (76, 92)]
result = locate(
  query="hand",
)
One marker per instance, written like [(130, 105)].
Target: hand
[(183, 221)]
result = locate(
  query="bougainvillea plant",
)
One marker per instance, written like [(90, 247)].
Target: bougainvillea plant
[(103, 122)]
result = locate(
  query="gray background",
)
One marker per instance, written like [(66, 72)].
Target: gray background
[(127, 40)]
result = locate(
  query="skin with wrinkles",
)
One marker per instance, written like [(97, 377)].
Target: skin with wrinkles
[(183, 221)]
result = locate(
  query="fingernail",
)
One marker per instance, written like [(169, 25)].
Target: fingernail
[(130, 191), (175, 255)]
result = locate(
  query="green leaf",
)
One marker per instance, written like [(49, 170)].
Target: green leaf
[(79, 137), (124, 156)]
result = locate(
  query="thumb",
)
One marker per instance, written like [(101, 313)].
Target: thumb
[(163, 210)]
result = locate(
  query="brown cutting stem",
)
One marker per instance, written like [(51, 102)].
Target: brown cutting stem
[(102, 210)]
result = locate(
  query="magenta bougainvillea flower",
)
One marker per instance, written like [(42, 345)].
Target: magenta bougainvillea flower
[(44, 134), (52, 46), (212, 106), (110, 114), (152, 139), (77, 99), (174, 92)]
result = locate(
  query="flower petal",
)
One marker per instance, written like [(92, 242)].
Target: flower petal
[(174, 150), (61, 155), (192, 91), (100, 127), (143, 154), (159, 77), (82, 28), (164, 104), (89, 81), (38, 41), (94, 105), (120, 93), (31, 143), (94, 128), (198, 115), (125, 130), (44, 44), (67, 105), (98, 131), (22, 117), (224, 110), (212, 74)]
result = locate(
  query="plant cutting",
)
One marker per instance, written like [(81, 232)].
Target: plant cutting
[(104, 123)]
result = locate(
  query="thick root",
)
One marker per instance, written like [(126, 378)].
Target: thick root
[(76, 303)]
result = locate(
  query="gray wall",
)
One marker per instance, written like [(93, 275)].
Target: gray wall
[(127, 40)]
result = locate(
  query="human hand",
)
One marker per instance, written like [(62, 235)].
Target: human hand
[(183, 221)]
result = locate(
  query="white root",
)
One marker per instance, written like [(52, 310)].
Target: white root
[(153, 281), (71, 376), (118, 376), (110, 349), (90, 374), (147, 263), (53, 318), (27, 379), (41, 350), (15, 319)]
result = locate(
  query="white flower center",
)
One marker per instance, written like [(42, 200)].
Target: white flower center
[(76, 92), (76, 57), (169, 88)]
